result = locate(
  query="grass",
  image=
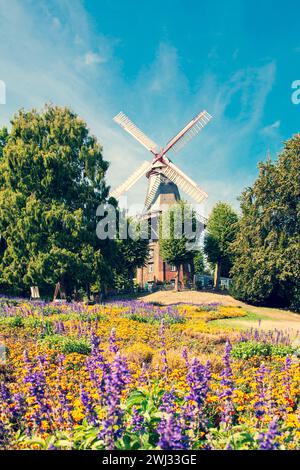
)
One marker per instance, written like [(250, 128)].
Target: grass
[(236, 323)]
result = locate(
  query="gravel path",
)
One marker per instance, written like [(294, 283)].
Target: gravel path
[(265, 318)]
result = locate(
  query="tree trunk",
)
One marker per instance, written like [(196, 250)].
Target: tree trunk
[(88, 291), (217, 275), (183, 282), (177, 278)]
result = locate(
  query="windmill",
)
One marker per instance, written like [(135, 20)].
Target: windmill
[(164, 179), (161, 170)]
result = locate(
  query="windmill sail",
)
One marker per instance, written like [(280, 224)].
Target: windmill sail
[(141, 171), (184, 182), (160, 164), (132, 129), (188, 132), (152, 191)]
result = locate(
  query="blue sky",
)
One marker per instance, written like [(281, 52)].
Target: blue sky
[(161, 62)]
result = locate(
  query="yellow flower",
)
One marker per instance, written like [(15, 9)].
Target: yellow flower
[(77, 415)]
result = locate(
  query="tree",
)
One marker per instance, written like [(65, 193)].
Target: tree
[(174, 238), (266, 266), (3, 140), (221, 232), (52, 180), (131, 252), (199, 265)]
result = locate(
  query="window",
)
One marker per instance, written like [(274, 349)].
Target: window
[(172, 268), (150, 268), (151, 255)]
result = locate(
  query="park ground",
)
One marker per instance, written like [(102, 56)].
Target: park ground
[(262, 317)]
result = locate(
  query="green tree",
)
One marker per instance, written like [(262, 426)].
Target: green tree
[(52, 180), (199, 264), (130, 253), (266, 266), (174, 225), (221, 232), (3, 140)]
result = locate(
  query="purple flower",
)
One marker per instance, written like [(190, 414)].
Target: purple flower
[(198, 378), (115, 380), (36, 379), (112, 341), (228, 387), (163, 352), (170, 435), (137, 421), (260, 404), (168, 402), (87, 402), (267, 440)]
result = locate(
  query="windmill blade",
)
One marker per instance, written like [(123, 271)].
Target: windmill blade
[(132, 129), (152, 191), (188, 132), (185, 183), (141, 171)]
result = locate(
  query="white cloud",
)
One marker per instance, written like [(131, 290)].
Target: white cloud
[(92, 58), (48, 68), (269, 130), (56, 23)]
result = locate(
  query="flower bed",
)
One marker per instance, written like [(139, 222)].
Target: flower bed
[(129, 375)]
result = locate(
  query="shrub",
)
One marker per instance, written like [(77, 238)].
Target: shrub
[(50, 310), (68, 345), (140, 353), (79, 346), (245, 350), (16, 322), (156, 317)]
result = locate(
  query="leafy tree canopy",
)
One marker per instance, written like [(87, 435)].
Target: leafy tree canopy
[(177, 229), (266, 268), (221, 232), (52, 180)]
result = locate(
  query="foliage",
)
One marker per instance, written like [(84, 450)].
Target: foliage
[(266, 266), (67, 345), (51, 183), (245, 350), (52, 180), (131, 253), (178, 229), (221, 232), (199, 265), (122, 384)]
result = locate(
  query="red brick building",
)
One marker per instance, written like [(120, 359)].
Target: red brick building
[(156, 270)]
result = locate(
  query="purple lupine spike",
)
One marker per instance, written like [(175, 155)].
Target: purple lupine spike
[(168, 401), (170, 434), (19, 409), (260, 405), (163, 352), (198, 378), (287, 377), (37, 387), (88, 404), (228, 387), (113, 342), (143, 375), (116, 379), (267, 440), (185, 356), (5, 394), (137, 421)]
